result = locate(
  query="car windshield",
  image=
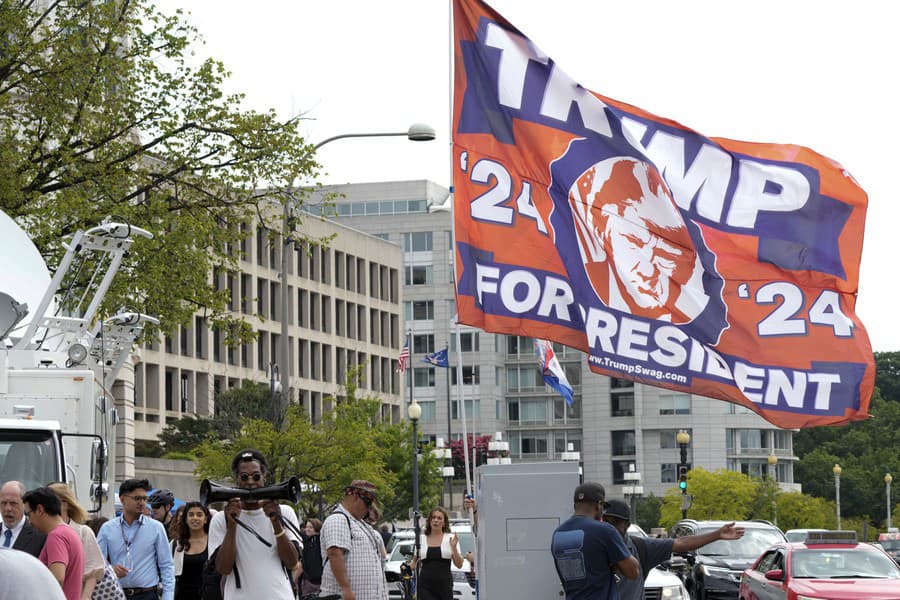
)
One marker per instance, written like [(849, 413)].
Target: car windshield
[(890, 544), (754, 542), (849, 563), (398, 551)]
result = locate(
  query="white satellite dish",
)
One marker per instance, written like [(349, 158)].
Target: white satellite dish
[(24, 276)]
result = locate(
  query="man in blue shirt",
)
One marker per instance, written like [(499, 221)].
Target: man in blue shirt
[(137, 546), (587, 552), (652, 552)]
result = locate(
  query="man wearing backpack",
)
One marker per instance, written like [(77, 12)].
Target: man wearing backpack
[(652, 552), (254, 565), (353, 568)]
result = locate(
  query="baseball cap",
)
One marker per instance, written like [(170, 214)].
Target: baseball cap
[(364, 489), (618, 509), (590, 491)]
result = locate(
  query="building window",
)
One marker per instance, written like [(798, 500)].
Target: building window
[(620, 384), (667, 439), (623, 443), (429, 413), (470, 375), (668, 472), (423, 344), (419, 275), (522, 347), (619, 468), (423, 376), (533, 443), (524, 379), (622, 405), (417, 241), (752, 439), (420, 310), (473, 407), (468, 341), (675, 404)]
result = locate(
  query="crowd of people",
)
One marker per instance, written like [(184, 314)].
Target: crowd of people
[(251, 548)]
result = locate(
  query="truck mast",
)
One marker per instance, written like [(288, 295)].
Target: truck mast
[(57, 411)]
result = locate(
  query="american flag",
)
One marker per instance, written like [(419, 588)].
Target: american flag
[(403, 359)]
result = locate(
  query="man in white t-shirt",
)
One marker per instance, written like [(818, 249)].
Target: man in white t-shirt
[(263, 571), (31, 580)]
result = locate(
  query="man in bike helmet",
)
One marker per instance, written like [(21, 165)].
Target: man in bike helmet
[(161, 502)]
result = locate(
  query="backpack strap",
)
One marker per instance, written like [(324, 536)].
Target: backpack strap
[(349, 528), (641, 547)]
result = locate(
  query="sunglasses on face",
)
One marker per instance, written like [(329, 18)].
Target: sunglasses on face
[(366, 500), (248, 476)]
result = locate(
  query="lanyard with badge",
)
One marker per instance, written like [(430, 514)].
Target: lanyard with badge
[(129, 563)]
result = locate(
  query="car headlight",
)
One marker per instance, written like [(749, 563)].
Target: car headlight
[(673, 592), (459, 576)]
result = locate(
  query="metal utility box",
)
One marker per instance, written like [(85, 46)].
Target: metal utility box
[(519, 507)]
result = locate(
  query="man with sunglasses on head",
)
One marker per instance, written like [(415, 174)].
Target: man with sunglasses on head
[(137, 546), (353, 568), (254, 565)]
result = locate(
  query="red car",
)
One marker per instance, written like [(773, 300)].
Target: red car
[(828, 565)]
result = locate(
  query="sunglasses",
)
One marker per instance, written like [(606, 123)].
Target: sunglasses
[(367, 500), (248, 476)]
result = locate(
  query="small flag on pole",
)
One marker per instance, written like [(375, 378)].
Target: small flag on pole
[(403, 359), (554, 376), (438, 359)]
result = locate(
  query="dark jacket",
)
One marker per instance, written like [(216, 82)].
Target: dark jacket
[(30, 540)]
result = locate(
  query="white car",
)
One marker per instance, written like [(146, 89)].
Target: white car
[(402, 551), (660, 583)]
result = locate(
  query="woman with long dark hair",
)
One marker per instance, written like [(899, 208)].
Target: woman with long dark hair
[(437, 547), (189, 549), (311, 558)]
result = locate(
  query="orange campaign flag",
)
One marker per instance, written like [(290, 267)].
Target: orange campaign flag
[(706, 265)]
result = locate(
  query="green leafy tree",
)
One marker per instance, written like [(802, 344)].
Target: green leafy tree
[(647, 512), (801, 511), (887, 375), (349, 443), (186, 433), (723, 494), (251, 400), (102, 113)]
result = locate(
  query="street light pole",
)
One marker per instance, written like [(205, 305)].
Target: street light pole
[(274, 388), (836, 469), (773, 460), (417, 132), (683, 438), (414, 411), (887, 484)]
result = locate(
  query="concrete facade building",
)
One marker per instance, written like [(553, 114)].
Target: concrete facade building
[(344, 309)]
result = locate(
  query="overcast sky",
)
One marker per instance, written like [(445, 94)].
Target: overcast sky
[(818, 74)]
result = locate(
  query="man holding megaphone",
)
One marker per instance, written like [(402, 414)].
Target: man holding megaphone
[(250, 539)]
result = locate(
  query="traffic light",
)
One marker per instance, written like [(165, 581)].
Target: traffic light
[(682, 477)]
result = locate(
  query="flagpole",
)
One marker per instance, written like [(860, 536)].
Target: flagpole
[(449, 421)]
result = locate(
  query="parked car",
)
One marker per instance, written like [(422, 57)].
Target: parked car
[(890, 543), (714, 570), (661, 583), (827, 564)]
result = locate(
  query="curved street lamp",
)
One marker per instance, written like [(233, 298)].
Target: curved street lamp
[(417, 132)]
